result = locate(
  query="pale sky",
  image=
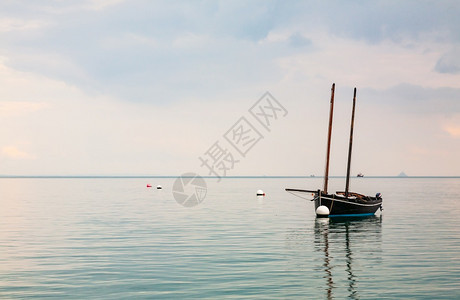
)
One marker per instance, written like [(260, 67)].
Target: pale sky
[(113, 87)]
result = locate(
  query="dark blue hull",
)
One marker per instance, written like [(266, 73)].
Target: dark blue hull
[(340, 206)]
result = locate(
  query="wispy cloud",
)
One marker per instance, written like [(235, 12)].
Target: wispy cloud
[(449, 62), (16, 24), (413, 99), (10, 108), (144, 50), (454, 131), (15, 153)]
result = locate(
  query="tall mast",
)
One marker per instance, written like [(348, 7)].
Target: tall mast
[(329, 132), (350, 144)]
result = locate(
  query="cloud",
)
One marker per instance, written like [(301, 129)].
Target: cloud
[(15, 153), (449, 62), (376, 21), (133, 83), (11, 108), (298, 40), (453, 131), (413, 99), (144, 50), (15, 25), (56, 7)]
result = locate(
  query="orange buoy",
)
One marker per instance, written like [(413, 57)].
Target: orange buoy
[(148, 185)]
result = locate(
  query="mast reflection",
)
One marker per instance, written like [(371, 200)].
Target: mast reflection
[(356, 235), (322, 238)]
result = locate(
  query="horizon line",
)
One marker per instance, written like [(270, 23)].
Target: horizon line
[(223, 177)]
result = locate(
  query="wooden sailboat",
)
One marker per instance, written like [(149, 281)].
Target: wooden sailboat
[(341, 203)]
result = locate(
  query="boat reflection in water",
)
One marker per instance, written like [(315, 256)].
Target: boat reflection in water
[(349, 247)]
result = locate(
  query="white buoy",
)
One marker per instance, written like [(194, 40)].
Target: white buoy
[(322, 211), (260, 193), (159, 187)]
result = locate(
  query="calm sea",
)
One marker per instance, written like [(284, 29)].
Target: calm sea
[(114, 238)]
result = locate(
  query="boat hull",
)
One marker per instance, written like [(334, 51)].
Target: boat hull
[(348, 207)]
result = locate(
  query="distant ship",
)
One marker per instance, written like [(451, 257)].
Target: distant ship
[(340, 204), (360, 175)]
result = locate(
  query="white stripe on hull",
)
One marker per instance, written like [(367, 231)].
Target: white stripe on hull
[(348, 202)]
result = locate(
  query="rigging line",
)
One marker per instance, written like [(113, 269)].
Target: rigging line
[(332, 204), (298, 195)]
